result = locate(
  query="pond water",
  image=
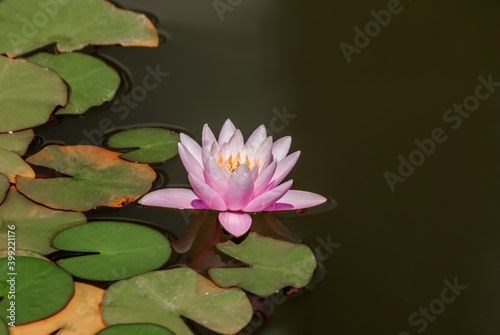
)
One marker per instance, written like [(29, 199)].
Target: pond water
[(396, 242)]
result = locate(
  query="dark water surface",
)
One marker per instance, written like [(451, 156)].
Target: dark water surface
[(399, 250)]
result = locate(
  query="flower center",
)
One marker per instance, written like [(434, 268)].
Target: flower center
[(233, 164)]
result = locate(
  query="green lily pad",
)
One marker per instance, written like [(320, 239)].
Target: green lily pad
[(41, 289), (17, 142), (11, 165), (136, 329), (274, 265), (26, 25), (154, 144), (163, 297), (28, 93), (36, 225), (4, 187), (99, 178), (3, 328), (125, 250), (91, 81)]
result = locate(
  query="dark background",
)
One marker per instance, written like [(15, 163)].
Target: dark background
[(352, 121)]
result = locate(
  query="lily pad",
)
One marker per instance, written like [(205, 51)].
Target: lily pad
[(28, 93), (41, 289), (11, 165), (274, 265), (3, 328), (17, 142), (82, 315), (163, 297), (99, 178), (154, 144), (35, 225), (4, 187), (135, 329), (91, 81), (125, 250), (26, 25)]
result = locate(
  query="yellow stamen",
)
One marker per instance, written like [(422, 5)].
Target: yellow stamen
[(234, 164)]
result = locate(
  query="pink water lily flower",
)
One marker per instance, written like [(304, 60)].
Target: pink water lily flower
[(235, 178)]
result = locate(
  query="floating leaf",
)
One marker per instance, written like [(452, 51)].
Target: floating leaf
[(4, 188), (17, 142), (35, 225), (274, 265), (99, 178), (26, 25), (163, 297), (25, 253), (81, 316), (41, 289), (155, 144), (28, 93), (3, 328), (135, 329), (11, 165), (91, 81), (125, 250)]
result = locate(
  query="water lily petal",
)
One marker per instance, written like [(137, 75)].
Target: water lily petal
[(268, 198), (264, 149), (214, 176), (226, 132), (236, 224), (281, 147), (257, 137), (208, 137), (295, 199), (264, 178), (240, 188), (236, 142), (284, 167), (207, 194), (193, 147), (173, 198), (190, 163)]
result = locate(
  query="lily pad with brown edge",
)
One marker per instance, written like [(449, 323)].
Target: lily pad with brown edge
[(11, 165), (4, 187), (41, 289), (81, 316), (135, 329), (97, 177), (29, 93), (165, 297), (273, 265), (153, 145), (26, 25), (124, 250), (91, 81), (35, 225), (17, 142)]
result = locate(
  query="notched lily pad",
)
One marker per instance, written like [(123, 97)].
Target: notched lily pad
[(153, 145), (4, 188), (35, 225), (82, 315), (163, 297), (274, 265), (135, 329), (91, 81), (17, 142), (98, 177), (26, 25), (11, 165), (28, 93), (41, 289), (125, 250)]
